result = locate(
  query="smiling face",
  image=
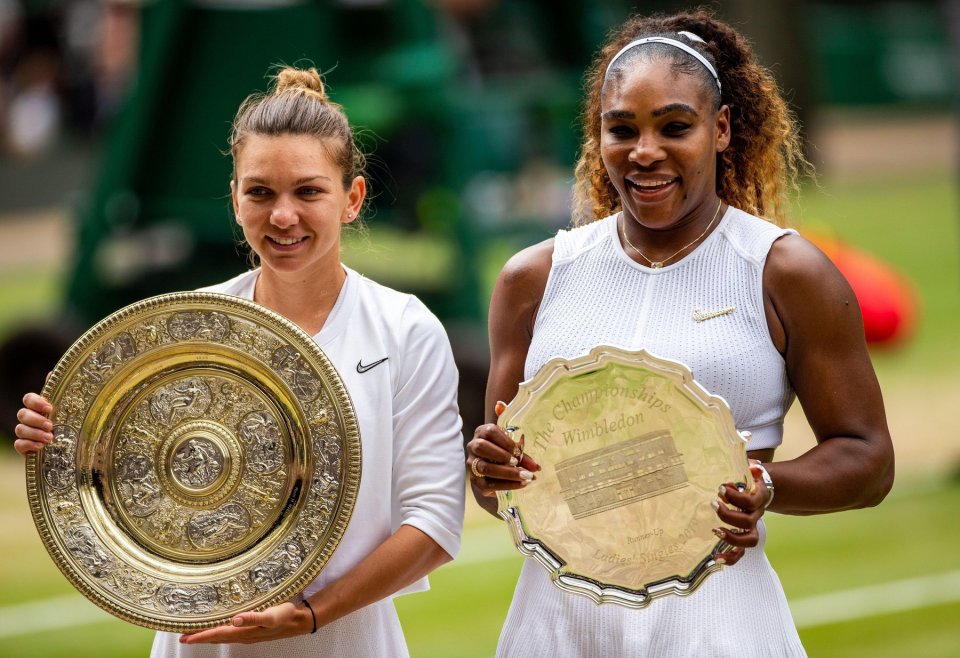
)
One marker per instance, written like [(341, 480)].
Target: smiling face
[(659, 137), (289, 198)]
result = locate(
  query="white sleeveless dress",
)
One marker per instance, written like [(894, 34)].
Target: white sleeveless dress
[(596, 294)]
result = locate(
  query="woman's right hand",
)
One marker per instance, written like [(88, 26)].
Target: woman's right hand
[(495, 462), (35, 429)]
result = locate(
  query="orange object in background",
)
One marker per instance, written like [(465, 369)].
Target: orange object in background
[(886, 297)]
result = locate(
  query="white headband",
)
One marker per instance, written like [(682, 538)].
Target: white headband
[(670, 42)]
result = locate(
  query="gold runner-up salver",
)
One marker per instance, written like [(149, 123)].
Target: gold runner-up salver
[(632, 451), (206, 461)]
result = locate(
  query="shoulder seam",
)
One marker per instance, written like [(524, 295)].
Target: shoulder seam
[(593, 234), (737, 246)]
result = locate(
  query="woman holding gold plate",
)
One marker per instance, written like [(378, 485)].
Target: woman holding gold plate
[(688, 148), (297, 179)]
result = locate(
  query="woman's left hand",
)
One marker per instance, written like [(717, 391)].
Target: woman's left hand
[(742, 510), (274, 623)]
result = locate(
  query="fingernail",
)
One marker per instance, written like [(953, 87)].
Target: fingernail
[(722, 492), (237, 621), (525, 474), (718, 532), (715, 504), (721, 560), (513, 461), (48, 426), (499, 407)]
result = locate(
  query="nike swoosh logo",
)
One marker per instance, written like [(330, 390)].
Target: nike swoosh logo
[(363, 368), (700, 316)]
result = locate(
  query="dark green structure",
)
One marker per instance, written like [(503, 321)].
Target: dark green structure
[(470, 115), (458, 110)]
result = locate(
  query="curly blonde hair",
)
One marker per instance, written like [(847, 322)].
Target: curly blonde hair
[(763, 164)]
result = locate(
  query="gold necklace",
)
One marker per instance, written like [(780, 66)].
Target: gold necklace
[(657, 264)]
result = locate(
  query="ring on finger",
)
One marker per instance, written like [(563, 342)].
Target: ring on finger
[(473, 468)]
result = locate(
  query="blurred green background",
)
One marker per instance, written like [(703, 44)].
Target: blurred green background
[(113, 187)]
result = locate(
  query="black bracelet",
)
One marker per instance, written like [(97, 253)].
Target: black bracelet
[(312, 614)]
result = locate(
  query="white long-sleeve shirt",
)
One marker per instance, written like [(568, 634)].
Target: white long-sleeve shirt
[(412, 469)]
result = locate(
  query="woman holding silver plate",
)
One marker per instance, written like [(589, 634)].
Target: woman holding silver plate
[(297, 179), (688, 147)]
